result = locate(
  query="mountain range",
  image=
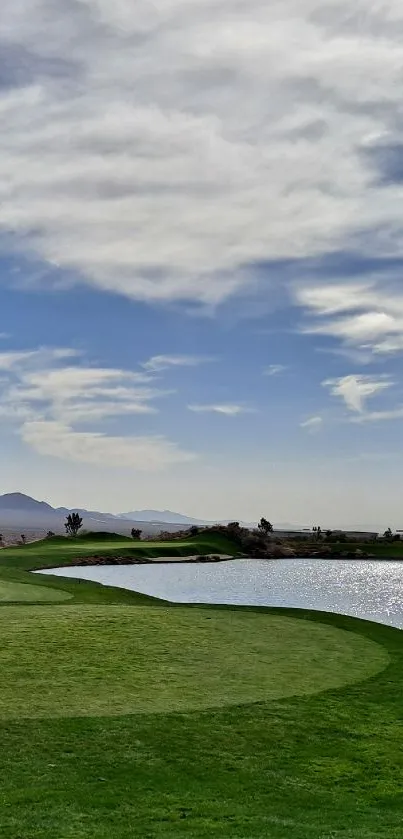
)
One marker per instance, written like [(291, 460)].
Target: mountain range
[(166, 516), (19, 512)]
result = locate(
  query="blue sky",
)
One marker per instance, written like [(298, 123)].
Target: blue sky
[(201, 257)]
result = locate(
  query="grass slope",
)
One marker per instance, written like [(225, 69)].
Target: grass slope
[(324, 765), (24, 592)]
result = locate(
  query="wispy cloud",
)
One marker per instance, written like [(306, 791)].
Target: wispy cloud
[(226, 408), (355, 390), (365, 317), (274, 369), (157, 363), (49, 400), (144, 453), (14, 359), (169, 193), (379, 416), (312, 424)]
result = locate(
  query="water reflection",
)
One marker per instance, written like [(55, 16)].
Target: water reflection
[(364, 588)]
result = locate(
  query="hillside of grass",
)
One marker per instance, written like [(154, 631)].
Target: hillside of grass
[(189, 722)]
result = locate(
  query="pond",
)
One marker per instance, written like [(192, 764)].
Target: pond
[(367, 589)]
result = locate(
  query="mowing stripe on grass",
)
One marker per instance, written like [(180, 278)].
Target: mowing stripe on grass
[(96, 660)]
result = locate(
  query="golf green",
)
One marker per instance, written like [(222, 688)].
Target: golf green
[(21, 592), (111, 660)]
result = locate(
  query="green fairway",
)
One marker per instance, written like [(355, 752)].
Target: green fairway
[(60, 551), (15, 592), (124, 717), (89, 660)]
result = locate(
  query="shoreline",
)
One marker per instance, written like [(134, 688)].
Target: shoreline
[(126, 560), (100, 560)]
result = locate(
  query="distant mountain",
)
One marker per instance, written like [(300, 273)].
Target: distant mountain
[(20, 513), (19, 501), (161, 517)]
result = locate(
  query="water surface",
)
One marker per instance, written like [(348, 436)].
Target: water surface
[(368, 589)]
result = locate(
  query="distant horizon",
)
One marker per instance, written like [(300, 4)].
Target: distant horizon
[(279, 525)]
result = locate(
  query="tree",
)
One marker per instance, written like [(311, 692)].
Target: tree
[(136, 534), (235, 532), (1, 538), (23, 538), (328, 534), (50, 534), (388, 535), (318, 533), (265, 527), (73, 523), (194, 530)]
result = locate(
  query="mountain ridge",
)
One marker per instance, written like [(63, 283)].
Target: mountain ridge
[(163, 516), (19, 502), (20, 512)]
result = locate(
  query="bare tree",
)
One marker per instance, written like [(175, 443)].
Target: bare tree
[(23, 538), (73, 524), (265, 527)]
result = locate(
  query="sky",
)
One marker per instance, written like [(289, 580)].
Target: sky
[(201, 254)]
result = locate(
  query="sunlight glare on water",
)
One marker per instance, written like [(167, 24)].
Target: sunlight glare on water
[(367, 589)]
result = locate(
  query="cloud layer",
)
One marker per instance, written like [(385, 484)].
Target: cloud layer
[(158, 154), (52, 401)]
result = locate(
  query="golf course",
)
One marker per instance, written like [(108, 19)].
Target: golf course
[(125, 716)]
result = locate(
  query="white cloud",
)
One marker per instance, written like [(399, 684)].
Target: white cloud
[(143, 453), (46, 401), (356, 389), (312, 424), (14, 358), (228, 409), (379, 416), (274, 369), (368, 317), (81, 393), (159, 153), (162, 362)]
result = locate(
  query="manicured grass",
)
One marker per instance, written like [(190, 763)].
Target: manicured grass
[(108, 660), (59, 551), (15, 562), (15, 592), (323, 765)]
